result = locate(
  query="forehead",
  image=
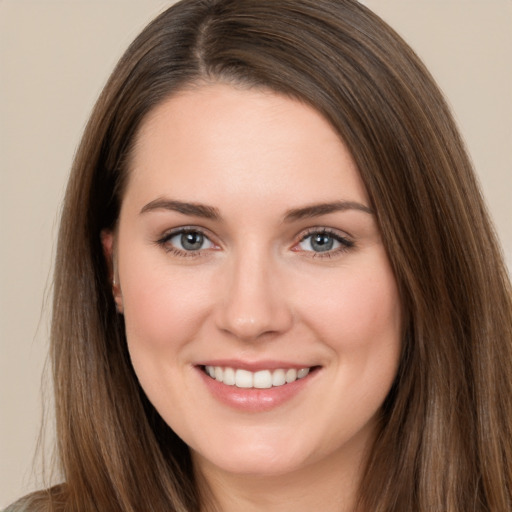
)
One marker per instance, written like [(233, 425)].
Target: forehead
[(218, 139)]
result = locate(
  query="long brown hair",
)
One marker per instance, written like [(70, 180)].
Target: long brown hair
[(445, 440)]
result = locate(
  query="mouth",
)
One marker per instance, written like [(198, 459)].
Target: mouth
[(261, 379), (254, 387)]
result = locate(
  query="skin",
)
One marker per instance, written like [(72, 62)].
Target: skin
[(257, 290)]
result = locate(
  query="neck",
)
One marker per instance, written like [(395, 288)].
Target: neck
[(327, 485)]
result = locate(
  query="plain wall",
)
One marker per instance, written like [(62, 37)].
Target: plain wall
[(54, 58)]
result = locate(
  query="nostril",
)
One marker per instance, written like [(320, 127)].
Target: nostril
[(255, 320)]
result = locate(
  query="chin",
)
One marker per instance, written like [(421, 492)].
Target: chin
[(260, 461)]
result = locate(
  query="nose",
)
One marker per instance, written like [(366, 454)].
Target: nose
[(253, 304)]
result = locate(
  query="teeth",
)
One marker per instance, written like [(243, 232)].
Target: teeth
[(291, 375), (302, 373), (278, 378), (262, 379), (229, 377), (243, 379)]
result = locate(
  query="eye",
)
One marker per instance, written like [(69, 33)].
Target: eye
[(324, 241), (185, 241)]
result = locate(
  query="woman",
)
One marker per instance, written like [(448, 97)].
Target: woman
[(276, 282)]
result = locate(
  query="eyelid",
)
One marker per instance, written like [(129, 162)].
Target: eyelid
[(163, 240), (345, 241)]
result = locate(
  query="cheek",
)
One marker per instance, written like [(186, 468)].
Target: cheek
[(163, 309), (163, 312), (358, 315), (360, 321)]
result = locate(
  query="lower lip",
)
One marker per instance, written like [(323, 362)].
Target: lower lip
[(252, 399)]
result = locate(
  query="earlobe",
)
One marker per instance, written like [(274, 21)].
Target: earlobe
[(108, 244)]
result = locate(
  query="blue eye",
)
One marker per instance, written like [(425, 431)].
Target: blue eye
[(324, 242), (187, 240)]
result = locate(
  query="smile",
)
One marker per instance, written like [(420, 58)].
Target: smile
[(262, 379)]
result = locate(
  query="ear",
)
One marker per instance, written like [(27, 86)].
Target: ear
[(108, 243)]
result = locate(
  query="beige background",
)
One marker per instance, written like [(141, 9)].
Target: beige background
[(54, 58)]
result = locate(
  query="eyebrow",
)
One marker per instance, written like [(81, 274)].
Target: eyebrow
[(212, 213), (195, 209), (316, 210)]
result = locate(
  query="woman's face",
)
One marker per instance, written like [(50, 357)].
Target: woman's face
[(246, 247)]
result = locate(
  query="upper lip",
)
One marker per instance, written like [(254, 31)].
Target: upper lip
[(254, 366)]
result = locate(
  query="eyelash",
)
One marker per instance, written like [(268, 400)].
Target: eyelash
[(164, 242), (345, 243)]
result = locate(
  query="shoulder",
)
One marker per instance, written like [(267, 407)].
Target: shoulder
[(22, 505), (49, 500)]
